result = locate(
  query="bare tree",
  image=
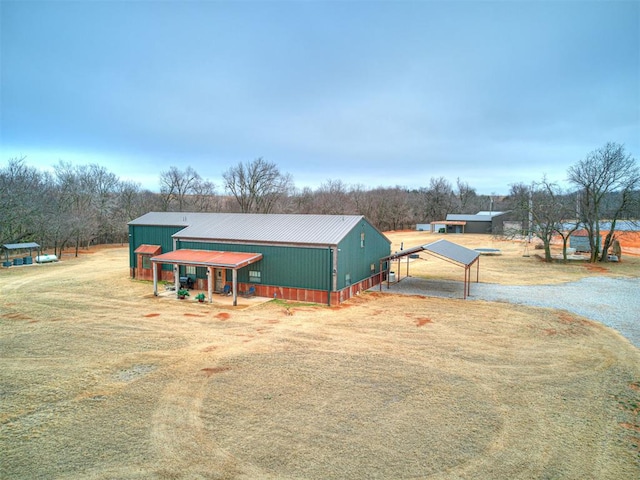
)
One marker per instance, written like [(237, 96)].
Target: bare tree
[(545, 210), (23, 200), (437, 200), (257, 186), (176, 186), (302, 201), (466, 197), (332, 198), (204, 197), (603, 172)]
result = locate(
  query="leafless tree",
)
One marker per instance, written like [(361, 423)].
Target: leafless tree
[(466, 197), (176, 186), (332, 198), (546, 210), (603, 172), (302, 201), (435, 201), (257, 186), (23, 201), (204, 197)]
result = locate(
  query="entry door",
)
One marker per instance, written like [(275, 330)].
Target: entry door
[(219, 274)]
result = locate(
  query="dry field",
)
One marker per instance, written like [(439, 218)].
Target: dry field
[(102, 380)]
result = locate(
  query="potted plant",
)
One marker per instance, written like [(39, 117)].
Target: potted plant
[(200, 297), (182, 293)]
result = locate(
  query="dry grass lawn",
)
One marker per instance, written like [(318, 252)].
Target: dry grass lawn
[(100, 379)]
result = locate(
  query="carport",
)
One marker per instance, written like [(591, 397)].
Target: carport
[(448, 223), (445, 250), (204, 258), (27, 260)]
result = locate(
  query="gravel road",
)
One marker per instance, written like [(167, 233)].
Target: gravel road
[(614, 302)]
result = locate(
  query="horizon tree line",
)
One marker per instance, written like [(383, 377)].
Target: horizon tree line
[(80, 205)]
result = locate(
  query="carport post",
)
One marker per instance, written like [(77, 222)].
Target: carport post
[(466, 274)]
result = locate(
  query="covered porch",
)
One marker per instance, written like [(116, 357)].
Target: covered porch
[(211, 260)]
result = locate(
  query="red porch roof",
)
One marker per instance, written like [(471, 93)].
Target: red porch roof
[(208, 258)]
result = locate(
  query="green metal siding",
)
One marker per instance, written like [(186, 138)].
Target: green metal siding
[(150, 235), (283, 266), (355, 260)]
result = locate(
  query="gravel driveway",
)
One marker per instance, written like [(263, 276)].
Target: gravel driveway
[(615, 302)]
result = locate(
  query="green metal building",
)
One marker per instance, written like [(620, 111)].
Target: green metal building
[(316, 258)]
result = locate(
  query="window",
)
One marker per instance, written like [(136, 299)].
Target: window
[(254, 276), (347, 279), (373, 268), (190, 270), (146, 261), (362, 240)]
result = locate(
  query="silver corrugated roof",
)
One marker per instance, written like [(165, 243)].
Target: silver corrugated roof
[(468, 218), (16, 246), (452, 251), (256, 228), (174, 219)]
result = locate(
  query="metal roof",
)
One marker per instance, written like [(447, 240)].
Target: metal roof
[(452, 251), (491, 214), (478, 217), (441, 248), (17, 246), (208, 258), (255, 227), (468, 218), (172, 219), (148, 249)]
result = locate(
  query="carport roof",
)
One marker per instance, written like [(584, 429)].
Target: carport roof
[(442, 248), (208, 258), (17, 246)]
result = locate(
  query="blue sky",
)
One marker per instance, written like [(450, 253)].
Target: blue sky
[(378, 93)]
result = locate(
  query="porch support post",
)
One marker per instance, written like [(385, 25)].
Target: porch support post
[(155, 278), (234, 283), (176, 277), (210, 281)]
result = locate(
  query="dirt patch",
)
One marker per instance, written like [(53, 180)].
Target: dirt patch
[(422, 321), (223, 316), (213, 370), (16, 316), (151, 315), (595, 268)]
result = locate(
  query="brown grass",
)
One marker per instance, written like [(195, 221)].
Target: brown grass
[(112, 382)]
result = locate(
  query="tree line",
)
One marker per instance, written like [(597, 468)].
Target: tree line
[(78, 205)]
